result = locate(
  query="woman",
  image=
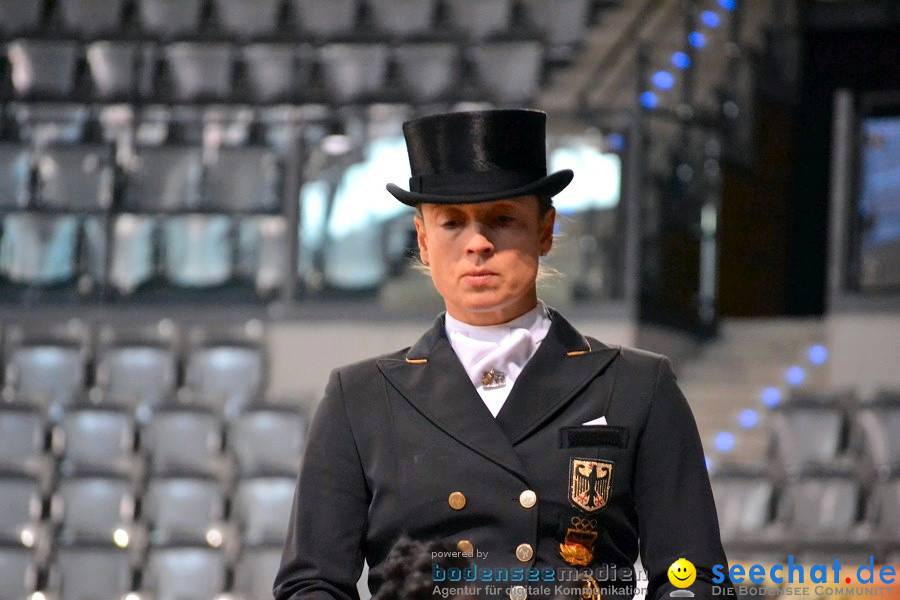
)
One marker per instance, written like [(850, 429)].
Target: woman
[(503, 432)]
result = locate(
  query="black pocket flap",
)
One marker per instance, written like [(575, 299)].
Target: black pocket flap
[(593, 435)]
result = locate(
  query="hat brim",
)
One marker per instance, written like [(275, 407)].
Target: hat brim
[(549, 185)]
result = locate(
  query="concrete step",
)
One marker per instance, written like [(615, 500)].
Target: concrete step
[(727, 375)]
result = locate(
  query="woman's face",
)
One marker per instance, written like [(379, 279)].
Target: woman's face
[(484, 256)]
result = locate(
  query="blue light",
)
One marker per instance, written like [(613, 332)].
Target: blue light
[(649, 100), (724, 441), (697, 39), (663, 80), (615, 142), (728, 4), (710, 18), (818, 354), (681, 60), (795, 375), (708, 461), (771, 397), (748, 418)]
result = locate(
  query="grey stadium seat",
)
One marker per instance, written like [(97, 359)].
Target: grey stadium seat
[(508, 71), (15, 175), (47, 374), (277, 71), (92, 507), (139, 376), (164, 178), (263, 252), (479, 18), (232, 374), (18, 571), (403, 17), (744, 503), (77, 178), (563, 23), (43, 66), (880, 426), (197, 250), (170, 17), (354, 72), (248, 19), (20, 497), (243, 179), (200, 70), (17, 16), (821, 505), (261, 508), (39, 249), (267, 439), (331, 18), (428, 70), (22, 436), (180, 508), (134, 254), (96, 438), (184, 572), (87, 571), (114, 67), (807, 434), (183, 439), (886, 496), (256, 569), (92, 17)]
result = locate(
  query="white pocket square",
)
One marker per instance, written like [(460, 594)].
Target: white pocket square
[(597, 421)]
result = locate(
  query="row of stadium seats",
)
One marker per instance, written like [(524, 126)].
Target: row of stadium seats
[(819, 512), (172, 439), (81, 178), (561, 21), (836, 431), (97, 507), (280, 72), (82, 571), (193, 251), (57, 365)]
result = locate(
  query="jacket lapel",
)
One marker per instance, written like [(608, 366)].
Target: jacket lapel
[(432, 379), (563, 365)]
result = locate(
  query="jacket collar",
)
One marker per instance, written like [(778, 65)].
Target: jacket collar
[(433, 380)]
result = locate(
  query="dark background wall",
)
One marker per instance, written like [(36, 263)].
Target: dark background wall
[(775, 205)]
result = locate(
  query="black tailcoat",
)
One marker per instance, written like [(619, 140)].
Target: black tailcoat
[(395, 436)]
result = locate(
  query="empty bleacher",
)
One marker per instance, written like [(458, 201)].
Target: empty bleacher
[(826, 486), (146, 145), (142, 459)]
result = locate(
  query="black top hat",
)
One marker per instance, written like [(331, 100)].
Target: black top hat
[(467, 157)]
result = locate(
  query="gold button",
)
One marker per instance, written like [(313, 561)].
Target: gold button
[(456, 500), (465, 546), (518, 592), (524, 552), (527, 498)]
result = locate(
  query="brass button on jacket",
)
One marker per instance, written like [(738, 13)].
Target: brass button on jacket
[(456, 500), (465, 546), (524, 552), (528, 499)]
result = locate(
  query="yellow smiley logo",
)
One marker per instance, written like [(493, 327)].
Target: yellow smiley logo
[(682, 573)]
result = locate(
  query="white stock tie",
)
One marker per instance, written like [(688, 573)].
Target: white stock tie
[(504, 348)]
